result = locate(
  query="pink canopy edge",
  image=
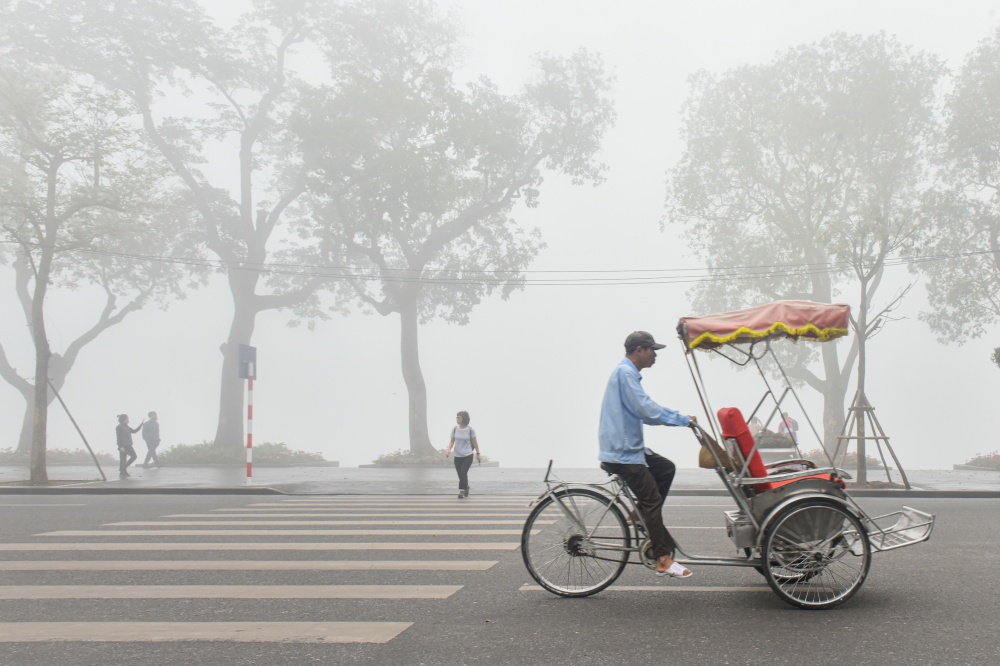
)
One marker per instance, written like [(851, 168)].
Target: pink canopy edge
[(781, 319)]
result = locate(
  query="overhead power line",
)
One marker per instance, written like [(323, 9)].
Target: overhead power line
[(563, 277)]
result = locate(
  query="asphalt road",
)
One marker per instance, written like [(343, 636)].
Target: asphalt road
[(100, 593)]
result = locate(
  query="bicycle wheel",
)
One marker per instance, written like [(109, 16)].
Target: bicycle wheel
[(575, 542), (818, 554)]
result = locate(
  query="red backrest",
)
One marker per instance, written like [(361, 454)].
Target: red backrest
[(735, 427)]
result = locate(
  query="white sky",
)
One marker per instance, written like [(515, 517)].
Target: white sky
[(531, 371)]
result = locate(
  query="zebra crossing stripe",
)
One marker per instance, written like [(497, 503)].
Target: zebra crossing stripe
[(39, 592), (263, 546), (364, 499), (248, 565), (266, 532), (351, 513), (308, 523), (171, 632), (402, 501), (662, 588)]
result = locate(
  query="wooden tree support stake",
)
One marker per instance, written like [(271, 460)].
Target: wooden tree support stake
[(860, 421)]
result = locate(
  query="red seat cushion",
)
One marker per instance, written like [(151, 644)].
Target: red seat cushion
[(735, 427)]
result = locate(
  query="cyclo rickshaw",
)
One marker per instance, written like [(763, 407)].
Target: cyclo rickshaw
[(794, 522)]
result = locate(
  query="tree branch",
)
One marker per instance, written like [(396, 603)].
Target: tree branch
[(290, 298), (104, 322), (10, 375)]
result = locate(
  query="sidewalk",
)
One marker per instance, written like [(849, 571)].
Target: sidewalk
[(419, 481)]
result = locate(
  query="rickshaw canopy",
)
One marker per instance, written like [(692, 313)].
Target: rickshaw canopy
[(781, 319)]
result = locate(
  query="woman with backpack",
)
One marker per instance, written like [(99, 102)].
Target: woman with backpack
[(464, 442)]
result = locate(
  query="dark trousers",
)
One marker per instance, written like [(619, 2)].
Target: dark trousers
[(151, 454), (126, 458), (650, 486), (462, 465)]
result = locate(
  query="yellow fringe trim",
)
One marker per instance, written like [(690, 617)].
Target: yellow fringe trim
[(813, 331)]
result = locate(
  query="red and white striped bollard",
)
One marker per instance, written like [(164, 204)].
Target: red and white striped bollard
[(250, 428)]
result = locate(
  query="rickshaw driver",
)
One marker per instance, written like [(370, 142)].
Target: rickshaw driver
[(648, 475)]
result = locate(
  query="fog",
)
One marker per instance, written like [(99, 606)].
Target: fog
[(531, 370)]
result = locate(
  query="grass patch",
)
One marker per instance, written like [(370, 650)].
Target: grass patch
[(207, 453), (850, 461), (986, 460), (55, 456), (771, 440), (407, 457)]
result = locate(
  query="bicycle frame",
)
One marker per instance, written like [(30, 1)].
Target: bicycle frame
[(911, 526), (618, 492), (797, 526)]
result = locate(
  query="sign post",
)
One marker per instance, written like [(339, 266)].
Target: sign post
[(248, 371)]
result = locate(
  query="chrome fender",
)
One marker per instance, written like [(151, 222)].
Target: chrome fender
[(795, 499)]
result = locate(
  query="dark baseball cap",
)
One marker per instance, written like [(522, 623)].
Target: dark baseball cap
[(638, 339)]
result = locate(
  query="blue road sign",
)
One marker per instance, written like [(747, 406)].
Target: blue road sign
[(248, 362)]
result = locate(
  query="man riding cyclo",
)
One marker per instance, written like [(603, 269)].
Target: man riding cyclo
[(625, 409)]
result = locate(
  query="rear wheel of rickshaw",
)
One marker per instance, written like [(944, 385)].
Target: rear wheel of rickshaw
[(575, 542), (818, 554)]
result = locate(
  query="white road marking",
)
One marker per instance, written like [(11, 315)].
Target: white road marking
[(35, 592), (311, 523), (405, 502), (171, 632), (327, 513), (41, 505), (267, 532), (364, 499), (248, 565), (284, 545), (666, 587)]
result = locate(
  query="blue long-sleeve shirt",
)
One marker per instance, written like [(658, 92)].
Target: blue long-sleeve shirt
[(625, 408)]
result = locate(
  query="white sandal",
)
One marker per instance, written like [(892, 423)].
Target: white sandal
[(676, 571)]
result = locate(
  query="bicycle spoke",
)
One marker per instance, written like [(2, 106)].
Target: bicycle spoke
[(583, 550)]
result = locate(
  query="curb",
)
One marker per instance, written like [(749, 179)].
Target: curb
[(266, 490), (871, 492), (78, 490)]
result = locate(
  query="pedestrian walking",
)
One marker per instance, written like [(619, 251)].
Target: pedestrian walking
[(126, 454), (151, 435), (789, 427), (464, 442)]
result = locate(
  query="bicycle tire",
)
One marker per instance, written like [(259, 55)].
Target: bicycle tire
[(818, 554), (566, 559)]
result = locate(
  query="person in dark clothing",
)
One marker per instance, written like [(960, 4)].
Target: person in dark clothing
[(623, 451), (126, 454), (151, 435)]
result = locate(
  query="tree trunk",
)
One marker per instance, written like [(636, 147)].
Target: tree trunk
[(27, 425), (57, 375), (834, 393), (861, 416), (40, 403), (833, 413), (229, 432), (420, 441)]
